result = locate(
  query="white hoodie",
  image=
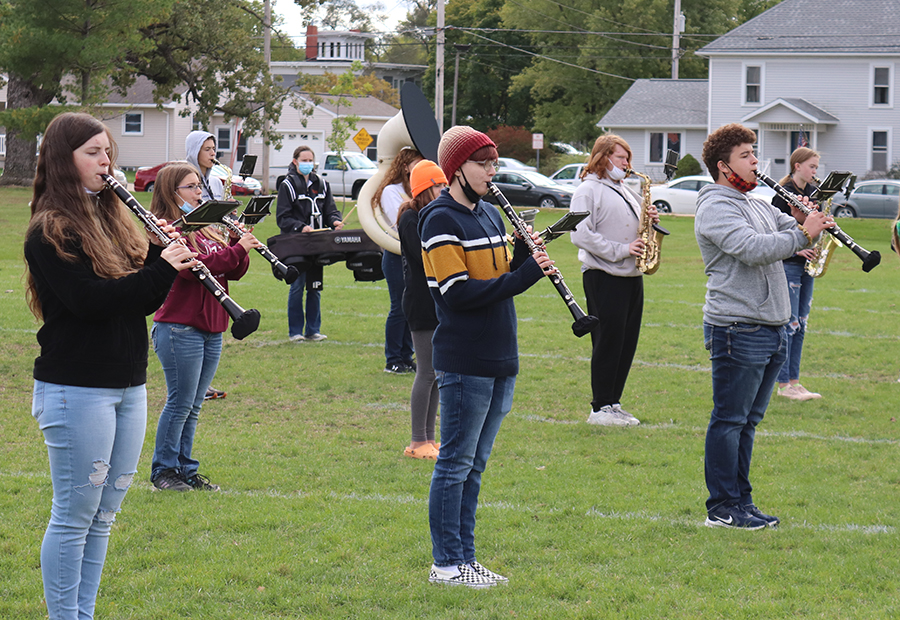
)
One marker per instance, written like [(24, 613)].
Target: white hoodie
[(212, 186)]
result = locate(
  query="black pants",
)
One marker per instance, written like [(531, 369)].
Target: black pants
[(618, 303)]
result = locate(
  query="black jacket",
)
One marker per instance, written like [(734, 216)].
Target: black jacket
[(95, 329), (418, 304), (781, 204), (300, 205)]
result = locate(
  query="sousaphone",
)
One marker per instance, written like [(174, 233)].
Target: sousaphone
[(414, 126)]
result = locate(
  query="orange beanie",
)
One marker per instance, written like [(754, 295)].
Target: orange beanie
[(425, 174)]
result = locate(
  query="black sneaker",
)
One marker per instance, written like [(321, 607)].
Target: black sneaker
[(399, 369), (759, 514), (212, 394), (170, 480), (201, 483), (733, 517)]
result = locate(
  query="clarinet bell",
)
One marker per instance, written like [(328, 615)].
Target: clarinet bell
[(245, 324), (584, 325)]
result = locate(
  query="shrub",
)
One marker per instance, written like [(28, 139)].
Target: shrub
[(688, 166)]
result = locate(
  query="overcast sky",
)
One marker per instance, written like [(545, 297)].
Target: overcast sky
[(293, 22)]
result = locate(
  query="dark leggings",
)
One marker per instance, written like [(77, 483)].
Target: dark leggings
[(618, 303), (424, 399)]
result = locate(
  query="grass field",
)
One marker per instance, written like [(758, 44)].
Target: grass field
[(322, 517)]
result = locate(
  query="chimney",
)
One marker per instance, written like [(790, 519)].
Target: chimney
[(312, 42)]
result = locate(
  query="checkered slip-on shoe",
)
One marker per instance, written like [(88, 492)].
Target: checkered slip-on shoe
[(484, 572), (466, 576)]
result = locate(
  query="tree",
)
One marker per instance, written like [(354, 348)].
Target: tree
[(340, 14), (342, 126)]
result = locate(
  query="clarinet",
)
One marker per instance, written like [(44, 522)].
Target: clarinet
[(870, 259), (281, 271), (584, 322), (245, 321)]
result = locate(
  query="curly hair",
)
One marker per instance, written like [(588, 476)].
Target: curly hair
[(721, 142), (398, 173), (603, 148)]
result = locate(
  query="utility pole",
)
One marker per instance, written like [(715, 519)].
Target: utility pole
[(267, 53), (460, 48), (677, 29), (439, 69)]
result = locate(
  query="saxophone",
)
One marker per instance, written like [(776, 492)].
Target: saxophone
[(825, 247), (228, 179), (651, 234)]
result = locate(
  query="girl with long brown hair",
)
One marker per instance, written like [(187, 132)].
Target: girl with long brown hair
[(426, 182), (391, 193), (187, 331), (92, 278)]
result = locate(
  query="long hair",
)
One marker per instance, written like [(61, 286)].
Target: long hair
[(799, 156), (166, 203), (71, 220), (398, 173), (603, 148), (416, 204)]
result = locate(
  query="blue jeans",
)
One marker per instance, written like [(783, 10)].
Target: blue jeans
[(94, 438), (313, 317), (398, 347), (472, 409), (189, 358), (800, 286), (745, 363)]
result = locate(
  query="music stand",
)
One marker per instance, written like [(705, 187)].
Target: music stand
[(671, 165), (209, 213), (248, 165), (565, 224), (833, 184), (257, 210)]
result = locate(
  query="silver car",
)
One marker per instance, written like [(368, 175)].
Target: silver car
[(875, 198)]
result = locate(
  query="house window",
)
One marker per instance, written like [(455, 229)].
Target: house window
[(880, 153), (223, 138), (133, 124), (753, 75), (881, 86), (661, 143)]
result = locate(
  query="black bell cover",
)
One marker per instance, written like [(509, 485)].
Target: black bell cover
[(420, 121)]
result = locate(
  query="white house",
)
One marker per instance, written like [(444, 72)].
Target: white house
[(823, 68)]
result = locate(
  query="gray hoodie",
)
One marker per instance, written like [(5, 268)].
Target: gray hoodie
[(212, 186), (743, 240)]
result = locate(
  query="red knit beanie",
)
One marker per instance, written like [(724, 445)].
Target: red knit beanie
[(457, 144), (425, 174)]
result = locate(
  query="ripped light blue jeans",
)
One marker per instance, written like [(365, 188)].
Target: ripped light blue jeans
[(800, 287), (94, 438)]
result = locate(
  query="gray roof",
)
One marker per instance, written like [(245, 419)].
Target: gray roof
[(661, 103), (816, 27), (141, 92), (367, 106), (810, 110)]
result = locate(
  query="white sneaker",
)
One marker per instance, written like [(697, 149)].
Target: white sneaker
[(607, 416), (462, 575), (297, 338), (317, 337), (809, 395), (792, 393), (632, 421)]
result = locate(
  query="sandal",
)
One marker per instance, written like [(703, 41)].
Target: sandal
[(428, 452)]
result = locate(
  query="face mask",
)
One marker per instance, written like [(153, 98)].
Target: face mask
[(471, 195), (616, 174), (304, 167), (185, 207), (739, 183)]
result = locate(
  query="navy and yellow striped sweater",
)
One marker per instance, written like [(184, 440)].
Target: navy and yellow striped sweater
[(473, 281)]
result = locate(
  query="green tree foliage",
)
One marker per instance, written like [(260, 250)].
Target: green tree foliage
[(410, 44), (486, 70), (688, 166)]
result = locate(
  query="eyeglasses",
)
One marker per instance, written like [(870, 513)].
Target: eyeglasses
[(192, 186), (487, 164)]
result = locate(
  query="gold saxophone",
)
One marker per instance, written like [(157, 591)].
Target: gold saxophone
[(228, 179), (650, 233), (825, 247)]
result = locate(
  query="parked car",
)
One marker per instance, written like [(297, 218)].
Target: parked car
[(565, 148), (875, 198), (527, 188), (119, 176), (145, 178), (569, 175), (509, 162), (347, 173), (680, 195)]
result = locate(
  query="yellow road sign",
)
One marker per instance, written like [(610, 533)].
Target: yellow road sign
[(362, 139)]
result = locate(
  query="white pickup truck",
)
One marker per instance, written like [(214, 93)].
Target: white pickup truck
[(346, 173)]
